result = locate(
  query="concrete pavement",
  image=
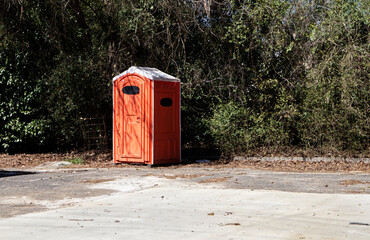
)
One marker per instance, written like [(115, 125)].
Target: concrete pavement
[(151, 207)]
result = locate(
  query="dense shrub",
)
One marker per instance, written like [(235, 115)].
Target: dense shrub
[(264, 73)]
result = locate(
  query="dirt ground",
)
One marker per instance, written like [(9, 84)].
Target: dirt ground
[(91, 159)]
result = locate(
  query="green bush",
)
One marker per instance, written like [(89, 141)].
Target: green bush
[(266, 73), (229, 127), (24, 127)]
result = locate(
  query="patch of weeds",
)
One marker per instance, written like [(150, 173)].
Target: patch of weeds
[(76, 160)]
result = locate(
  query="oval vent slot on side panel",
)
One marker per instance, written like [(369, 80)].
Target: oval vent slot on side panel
[(131, 90), (166, 102)]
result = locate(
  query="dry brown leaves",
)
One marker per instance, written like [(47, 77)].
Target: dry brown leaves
[(353, 182), (213, 180), (98, 180), (300, 166), (93, 159), (90, 159)]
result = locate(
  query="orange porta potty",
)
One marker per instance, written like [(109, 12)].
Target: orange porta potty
[(146, 117)]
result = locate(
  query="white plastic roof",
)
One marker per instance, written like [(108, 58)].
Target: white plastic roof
[(151, 73)]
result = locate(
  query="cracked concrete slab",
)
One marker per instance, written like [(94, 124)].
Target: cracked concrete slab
[(194, 203)]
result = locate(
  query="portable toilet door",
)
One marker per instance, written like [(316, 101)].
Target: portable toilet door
[(146, 117)]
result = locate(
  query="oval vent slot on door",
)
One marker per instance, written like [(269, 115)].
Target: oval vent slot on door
[(166, 102), (131, 90)]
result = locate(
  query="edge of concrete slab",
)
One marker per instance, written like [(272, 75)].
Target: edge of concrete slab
[(302, 159)]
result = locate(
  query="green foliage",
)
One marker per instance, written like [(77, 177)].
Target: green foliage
[(22, 127), (237, 129), (229, 127), (254, 73), (337, 87), (77, 160), (84, 92)]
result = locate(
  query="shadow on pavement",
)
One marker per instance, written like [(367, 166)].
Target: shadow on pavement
[(4, 173), (191, 155)]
